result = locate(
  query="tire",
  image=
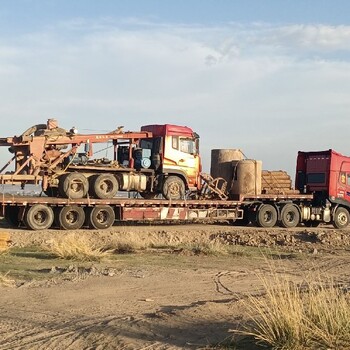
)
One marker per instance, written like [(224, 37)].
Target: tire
[(101, 217), (173, 188), (290, 216), (39, 217), (71, 217), (104, 186), (266, 216), (11, 216), (341, 218), (73, 186)]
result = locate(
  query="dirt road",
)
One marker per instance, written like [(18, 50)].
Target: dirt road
[(155, 298)]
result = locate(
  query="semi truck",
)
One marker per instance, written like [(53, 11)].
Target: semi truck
[(162, 164)]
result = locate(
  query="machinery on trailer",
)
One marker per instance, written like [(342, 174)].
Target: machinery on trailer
[(163, 160), (159, 159)]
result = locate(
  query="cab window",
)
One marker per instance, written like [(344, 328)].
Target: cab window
[(146, 143), (187, 146), (175, 142)]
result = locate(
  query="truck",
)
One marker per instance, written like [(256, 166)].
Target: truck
[(325, 175), (158, 159), (162, 165)]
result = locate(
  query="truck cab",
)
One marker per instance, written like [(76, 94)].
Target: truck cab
[(175, 158), (326, 175)]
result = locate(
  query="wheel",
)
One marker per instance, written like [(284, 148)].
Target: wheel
[(290, 216), (266, 216), (341, 218), (73, 186), (39, 217), (51, 191), (104, 186), (173, 188), (101, 217), (71, 217), (311, 223), (11, 216)]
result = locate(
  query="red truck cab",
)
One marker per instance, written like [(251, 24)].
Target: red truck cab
[(326, 174)]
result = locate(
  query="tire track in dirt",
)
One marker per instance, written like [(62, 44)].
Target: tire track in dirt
[(60, 334), (84, 333)]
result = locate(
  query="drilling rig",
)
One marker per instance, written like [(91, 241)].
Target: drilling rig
[(159, 159)]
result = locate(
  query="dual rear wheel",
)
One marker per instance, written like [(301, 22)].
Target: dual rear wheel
[(72, 217), (267, 216), (39, 217), (77, 186)]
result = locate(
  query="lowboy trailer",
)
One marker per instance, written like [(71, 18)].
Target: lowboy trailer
[(39, 213)]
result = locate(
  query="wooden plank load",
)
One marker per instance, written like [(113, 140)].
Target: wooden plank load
[(277, 182)]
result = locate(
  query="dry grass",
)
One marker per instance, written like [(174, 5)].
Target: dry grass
[(132, 244), (75, 247), (6, 281), (316, 316), (92, 246)]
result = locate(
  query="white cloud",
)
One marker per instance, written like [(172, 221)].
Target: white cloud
[(260, 88), (315, 37)]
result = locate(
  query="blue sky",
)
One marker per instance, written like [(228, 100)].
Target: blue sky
[(34, 13), (269, 77)]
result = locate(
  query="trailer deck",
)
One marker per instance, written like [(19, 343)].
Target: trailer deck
[(130, 209)]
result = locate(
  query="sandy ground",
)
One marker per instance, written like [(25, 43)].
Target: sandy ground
[(160, 300)]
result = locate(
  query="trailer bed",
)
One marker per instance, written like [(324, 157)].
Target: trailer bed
[(39, 212)]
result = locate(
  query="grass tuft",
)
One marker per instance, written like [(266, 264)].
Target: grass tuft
[(75, 247), (6, 281), (316, 316)]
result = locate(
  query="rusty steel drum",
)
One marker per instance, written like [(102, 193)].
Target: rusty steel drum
[(221, 163), (246, 177)]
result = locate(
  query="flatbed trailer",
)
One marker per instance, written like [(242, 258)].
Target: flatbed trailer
[(42, 212)]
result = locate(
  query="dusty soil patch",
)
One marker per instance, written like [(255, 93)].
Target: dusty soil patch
[(154, 298)]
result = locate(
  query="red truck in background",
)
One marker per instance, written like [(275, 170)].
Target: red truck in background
[(325, 175)]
